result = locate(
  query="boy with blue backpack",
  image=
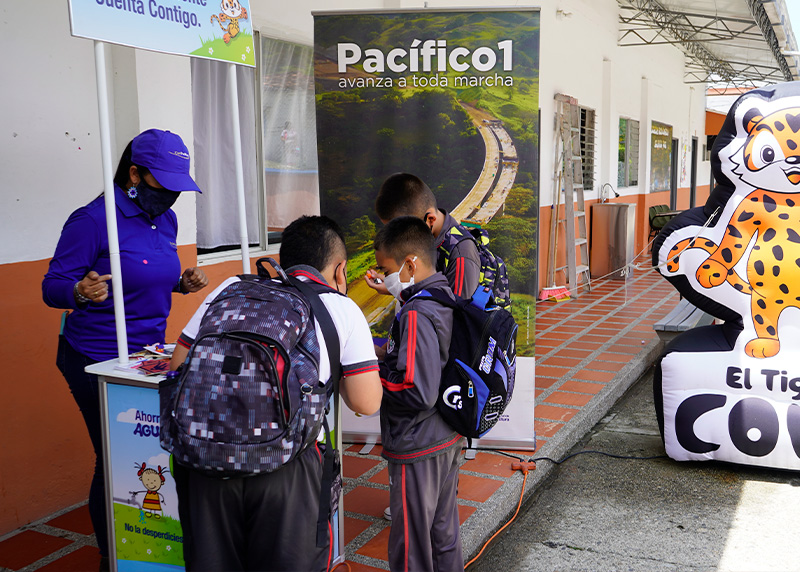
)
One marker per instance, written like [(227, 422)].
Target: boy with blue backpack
[(243, 420), (422, 450)]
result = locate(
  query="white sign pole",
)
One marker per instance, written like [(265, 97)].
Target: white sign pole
[(237, 154), (111, 206)]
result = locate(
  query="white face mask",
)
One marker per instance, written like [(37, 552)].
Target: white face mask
[(394, 285)]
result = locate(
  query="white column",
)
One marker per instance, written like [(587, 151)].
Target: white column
[(110, 204), (608, 138), (644, 139)]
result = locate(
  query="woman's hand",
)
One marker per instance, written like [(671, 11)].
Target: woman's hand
[(193, 279), (94, 287)]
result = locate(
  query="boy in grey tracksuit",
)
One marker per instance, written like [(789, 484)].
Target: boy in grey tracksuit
[(422, 450)]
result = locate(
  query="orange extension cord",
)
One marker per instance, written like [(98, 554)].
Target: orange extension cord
[(524, 467)]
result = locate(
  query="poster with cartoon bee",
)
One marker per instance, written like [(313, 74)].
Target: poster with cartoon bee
[(146, 530), (731, 391), (217, 29)]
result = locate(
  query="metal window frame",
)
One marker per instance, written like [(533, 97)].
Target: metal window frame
[(588, 145), (630, 171), (263, 234)]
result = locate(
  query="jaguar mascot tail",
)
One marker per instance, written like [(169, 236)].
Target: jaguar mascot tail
[(731, 391)]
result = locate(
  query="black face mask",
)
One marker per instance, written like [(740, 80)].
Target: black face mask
[(154, 202)]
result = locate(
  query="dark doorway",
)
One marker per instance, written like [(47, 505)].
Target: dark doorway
[(693, 175), (673, 177), (710, 140)]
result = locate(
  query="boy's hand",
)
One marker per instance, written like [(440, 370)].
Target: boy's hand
[(380, 352), (375, 281)]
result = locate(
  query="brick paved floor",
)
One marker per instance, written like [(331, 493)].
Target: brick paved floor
[(581, 345)]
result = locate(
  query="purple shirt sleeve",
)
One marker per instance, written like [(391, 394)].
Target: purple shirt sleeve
[(77, 251)]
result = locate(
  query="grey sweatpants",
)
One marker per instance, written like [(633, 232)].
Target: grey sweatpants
[(425, 534)]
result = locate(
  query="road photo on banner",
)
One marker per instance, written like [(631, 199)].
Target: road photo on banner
[(451, 97)]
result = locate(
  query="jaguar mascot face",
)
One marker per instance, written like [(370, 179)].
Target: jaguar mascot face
[(732, 391)]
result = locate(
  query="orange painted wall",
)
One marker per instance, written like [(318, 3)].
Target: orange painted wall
[(642, 230), (714, 121), (46, 459)]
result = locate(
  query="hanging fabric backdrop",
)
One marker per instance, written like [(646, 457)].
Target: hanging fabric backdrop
[(217, 216)]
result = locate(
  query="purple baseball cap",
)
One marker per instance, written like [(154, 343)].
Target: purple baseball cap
[(166, 157)]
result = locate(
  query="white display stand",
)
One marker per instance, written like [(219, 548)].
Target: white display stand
[(137, 538), (142, 540)]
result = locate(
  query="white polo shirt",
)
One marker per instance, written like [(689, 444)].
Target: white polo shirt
[(356, 349)]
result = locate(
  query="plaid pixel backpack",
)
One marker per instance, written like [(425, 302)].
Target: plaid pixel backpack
[(248, 399), (493, 269)]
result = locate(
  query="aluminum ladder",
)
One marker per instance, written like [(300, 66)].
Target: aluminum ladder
[(569, 171)]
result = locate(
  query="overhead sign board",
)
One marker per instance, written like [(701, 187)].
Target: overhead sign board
[(198, 28)]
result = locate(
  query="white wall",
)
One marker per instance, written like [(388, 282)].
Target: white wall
[(165, 101), (580, 57), (48, 140), (49, 149), (293, 21), (50, 161)]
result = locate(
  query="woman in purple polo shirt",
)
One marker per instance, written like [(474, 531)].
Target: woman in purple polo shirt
[(153, 171)]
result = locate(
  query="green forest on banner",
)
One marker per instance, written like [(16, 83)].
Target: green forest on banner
[(452, 97)]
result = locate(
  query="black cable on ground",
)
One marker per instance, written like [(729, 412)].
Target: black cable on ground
[(612, 455)]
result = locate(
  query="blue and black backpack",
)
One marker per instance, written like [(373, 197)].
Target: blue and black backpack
[(478, 379)]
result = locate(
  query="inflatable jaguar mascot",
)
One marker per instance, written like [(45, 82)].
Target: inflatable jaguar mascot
[(731, 391)]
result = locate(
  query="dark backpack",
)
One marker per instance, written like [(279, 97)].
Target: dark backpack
[(478, 379), (493, 269), (248, 399)]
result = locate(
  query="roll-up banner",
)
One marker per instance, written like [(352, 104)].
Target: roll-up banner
[(452, 97)]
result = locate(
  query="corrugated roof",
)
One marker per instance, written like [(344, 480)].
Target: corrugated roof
[(726, 42)]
